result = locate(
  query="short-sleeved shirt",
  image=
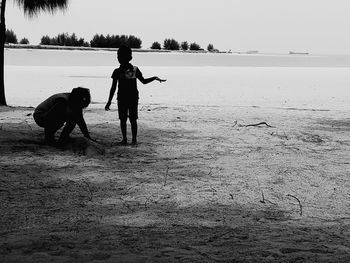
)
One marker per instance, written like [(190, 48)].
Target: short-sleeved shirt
[(127, 83), (42, 111), (47, 104)]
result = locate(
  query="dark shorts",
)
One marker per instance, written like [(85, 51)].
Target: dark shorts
[(128, 109)]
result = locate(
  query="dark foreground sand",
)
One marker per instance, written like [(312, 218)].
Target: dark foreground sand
[(200, 187)]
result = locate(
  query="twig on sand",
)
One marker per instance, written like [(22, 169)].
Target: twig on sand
[(210, 172), (126, 205), (262, 192), (301, 207), (258, 124), (213, 190), (264, 200), (166, 175), (263, 197)]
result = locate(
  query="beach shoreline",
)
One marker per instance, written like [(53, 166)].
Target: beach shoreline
[(77, 48), (150, 50), (204, 184)]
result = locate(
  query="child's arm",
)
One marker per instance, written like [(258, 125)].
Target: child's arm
[(82, 125), (148, 80), (77, 118), (111, 94)]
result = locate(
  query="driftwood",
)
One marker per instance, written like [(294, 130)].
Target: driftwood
[(258, 124), (300, 206), (263, 197)]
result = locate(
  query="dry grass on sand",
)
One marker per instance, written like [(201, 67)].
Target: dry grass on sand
[(200, 187)]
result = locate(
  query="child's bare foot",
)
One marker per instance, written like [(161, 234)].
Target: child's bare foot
[(123, 142), (50, 142)]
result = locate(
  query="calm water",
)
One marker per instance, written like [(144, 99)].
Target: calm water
[(282, 81)]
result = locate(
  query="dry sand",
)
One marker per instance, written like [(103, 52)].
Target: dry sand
[(199, 187)]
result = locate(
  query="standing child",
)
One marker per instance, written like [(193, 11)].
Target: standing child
[(127, 95)]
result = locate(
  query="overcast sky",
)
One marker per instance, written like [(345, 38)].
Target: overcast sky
[(315, 26)]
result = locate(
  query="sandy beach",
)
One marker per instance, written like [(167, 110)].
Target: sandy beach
[(201, 186), (243, 131), (241, 158)]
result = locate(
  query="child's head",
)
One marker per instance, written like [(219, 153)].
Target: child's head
[(80, 97), (124, 54)]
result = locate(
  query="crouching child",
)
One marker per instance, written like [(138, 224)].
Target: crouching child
[(63, 109)]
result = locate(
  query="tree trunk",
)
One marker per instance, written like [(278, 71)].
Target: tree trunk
[(2, 50)]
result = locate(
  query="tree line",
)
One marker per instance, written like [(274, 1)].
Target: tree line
[(172, 44), (10, 37), (108, 41)]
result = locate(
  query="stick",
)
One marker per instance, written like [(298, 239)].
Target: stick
[(126, 205), (263, 197), (301, 208), (260, 123), (262, 192), (264, 200)]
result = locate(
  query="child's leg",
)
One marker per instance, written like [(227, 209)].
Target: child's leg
[(68, 128), (53, 120), (123, 116), (123, 129), (49, 136), (133, 115), (133, 123)]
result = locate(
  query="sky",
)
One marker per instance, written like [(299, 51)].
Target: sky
[(271, 26)]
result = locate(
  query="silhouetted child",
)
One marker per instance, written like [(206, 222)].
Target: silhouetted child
[(127, 95), (60, 109)]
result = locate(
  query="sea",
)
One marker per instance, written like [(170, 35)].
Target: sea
[(291, 81)]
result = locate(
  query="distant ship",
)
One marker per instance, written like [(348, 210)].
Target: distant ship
[(298, 53), (252, 52)]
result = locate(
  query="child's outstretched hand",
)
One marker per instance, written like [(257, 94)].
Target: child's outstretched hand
[(107, 106), (160, 80)]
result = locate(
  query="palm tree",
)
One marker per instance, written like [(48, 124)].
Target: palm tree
[(31, 8)]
